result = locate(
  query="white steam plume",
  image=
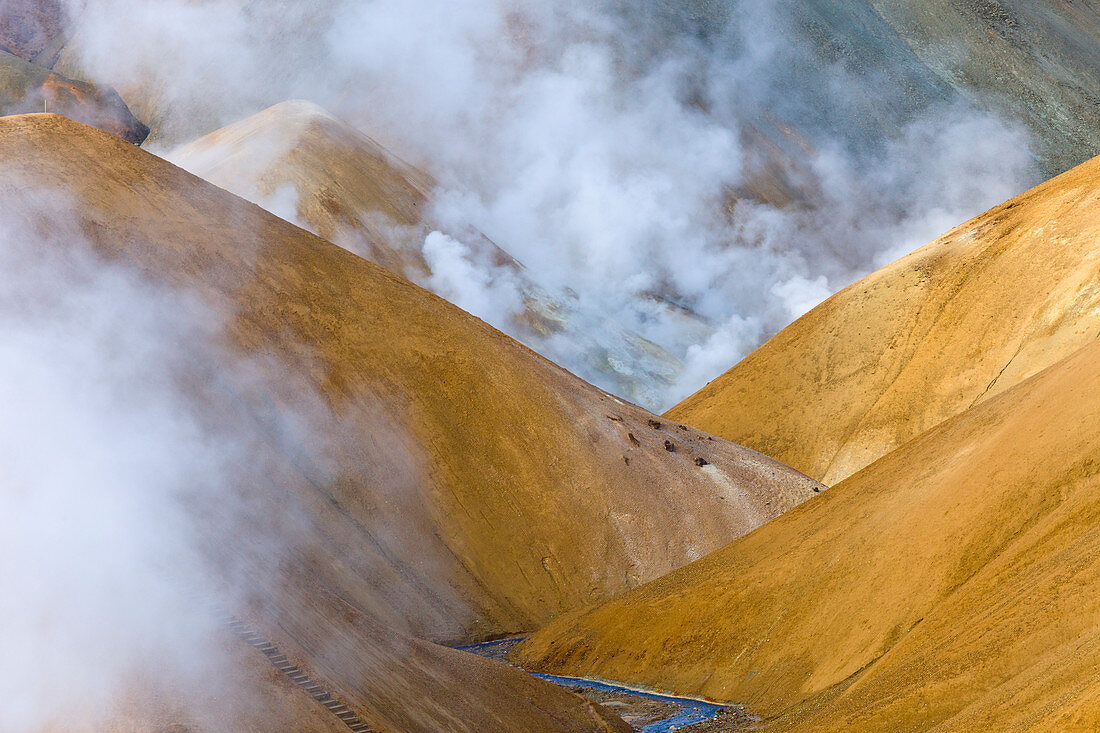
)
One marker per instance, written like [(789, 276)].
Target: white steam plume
[(603, 144), (110, 563)]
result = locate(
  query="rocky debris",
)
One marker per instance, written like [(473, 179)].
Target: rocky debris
[(636, 710), (670, 446), (633, 441), (655, 424), (700, 461), (731, 718)]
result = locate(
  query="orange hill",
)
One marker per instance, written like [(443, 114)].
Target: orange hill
[(25, 87), (470, 488), (338, 183), (948, 586), (318, 556), (953, 324)]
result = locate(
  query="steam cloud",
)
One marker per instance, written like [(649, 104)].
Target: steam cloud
[(601, 148), (96, 450), (119, 488), (601, 144)]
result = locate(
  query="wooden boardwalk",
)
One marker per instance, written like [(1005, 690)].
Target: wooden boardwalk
[(294, 673)]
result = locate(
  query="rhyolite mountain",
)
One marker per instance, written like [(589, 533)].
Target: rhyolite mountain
[(946, 582), (423, 474), (466, 487), (958, 321), (26, 88), (948, 586)]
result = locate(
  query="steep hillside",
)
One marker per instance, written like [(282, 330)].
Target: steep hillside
[(466, 487), (948, 586), (1035, 61), (956, 322), (295, 547), (378, 681)]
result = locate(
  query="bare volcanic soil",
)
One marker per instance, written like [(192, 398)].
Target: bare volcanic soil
[(285, 548), (985, 306), (950, 585), (441, 481)]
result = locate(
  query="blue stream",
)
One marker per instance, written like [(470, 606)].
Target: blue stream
[(691, 710)]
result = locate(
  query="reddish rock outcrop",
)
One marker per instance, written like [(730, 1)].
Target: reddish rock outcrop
[(26, 87), (93, 105)]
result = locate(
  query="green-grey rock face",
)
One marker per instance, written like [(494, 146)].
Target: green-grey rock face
[(1034, 62)]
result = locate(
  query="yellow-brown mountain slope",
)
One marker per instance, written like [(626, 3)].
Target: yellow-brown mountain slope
[(954, 323), (309, 167), (949, 586), (258, 542), (139, 644), (466, 487)]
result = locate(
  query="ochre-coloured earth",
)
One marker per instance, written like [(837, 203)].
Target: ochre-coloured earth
[(948, 585), (980, 309), (453, 485)]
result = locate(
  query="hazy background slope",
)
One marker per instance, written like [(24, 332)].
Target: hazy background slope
[(1034, 61), (988, 304), (34, 30), (947, 586)]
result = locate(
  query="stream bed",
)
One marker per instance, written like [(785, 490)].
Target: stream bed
[(647, 712)]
